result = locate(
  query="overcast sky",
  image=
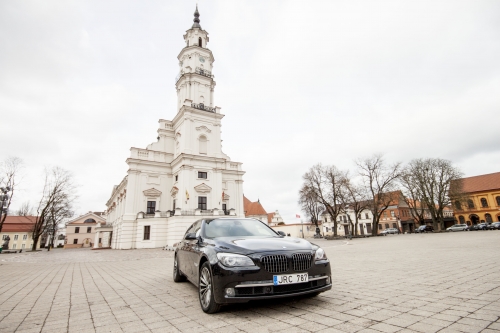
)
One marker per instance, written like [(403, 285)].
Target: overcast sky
[(300, 82)]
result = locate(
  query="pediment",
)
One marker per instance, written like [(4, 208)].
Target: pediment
[(152, 192), (203, 129), (203, 188)]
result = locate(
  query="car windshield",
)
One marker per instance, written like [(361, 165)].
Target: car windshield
[(237, 228)]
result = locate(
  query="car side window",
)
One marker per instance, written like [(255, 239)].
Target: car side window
[(191, 229), (194, 228), (197, 228)]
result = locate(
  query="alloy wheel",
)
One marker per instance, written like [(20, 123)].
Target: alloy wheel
[(205, 287)]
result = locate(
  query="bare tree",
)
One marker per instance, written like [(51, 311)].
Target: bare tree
[(325, 183), (355, 197), (380, 181), (434, 182), (412, 195), (10, 170), (25, 210), (309, 203), (57, 198)]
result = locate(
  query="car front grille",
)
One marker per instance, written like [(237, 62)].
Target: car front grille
[(275, 263), (301, 261)]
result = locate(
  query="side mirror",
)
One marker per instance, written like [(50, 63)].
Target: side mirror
[(281, 233), (190, 236)]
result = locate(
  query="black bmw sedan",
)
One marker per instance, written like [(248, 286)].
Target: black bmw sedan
[(235, 260)]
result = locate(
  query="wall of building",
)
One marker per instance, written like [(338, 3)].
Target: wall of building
[(492, 207), (295, 230), (19, 240)]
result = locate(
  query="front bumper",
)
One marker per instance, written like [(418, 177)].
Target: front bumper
[(257, 284)]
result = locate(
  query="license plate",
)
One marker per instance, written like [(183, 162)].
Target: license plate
[(290, 278)]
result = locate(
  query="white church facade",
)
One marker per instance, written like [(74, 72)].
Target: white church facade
[(184, 175)]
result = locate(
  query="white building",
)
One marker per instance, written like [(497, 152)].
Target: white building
[(275, 219), (365, 219), (184, 174)]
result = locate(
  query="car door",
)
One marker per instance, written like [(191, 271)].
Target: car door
[(182, 254), (192, 253)]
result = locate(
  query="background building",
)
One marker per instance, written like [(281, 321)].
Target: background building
[(255, 210), (80, 232), (483, 202), (19, 228)]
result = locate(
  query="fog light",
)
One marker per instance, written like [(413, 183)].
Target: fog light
[(329, 280), (230, 292)]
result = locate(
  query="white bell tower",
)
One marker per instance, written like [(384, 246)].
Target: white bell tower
[(195, 81), (184, 175)]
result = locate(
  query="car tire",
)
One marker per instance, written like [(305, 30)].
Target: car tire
[(206, 290), (178, 277)]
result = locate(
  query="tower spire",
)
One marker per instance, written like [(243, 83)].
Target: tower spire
[(196, 19)]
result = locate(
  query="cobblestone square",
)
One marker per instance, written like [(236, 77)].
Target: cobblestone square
[(447, 282)]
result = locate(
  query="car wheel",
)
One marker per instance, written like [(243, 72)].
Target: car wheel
[(178, 277), (206, 294)]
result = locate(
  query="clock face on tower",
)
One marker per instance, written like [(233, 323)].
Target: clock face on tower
[(202, 59)]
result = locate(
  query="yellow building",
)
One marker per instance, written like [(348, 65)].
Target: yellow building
[(18, 229), (483, 203)]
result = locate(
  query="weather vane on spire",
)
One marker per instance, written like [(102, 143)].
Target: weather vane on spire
[(196, 19)]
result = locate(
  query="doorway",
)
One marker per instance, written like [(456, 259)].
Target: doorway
[(474, 219)]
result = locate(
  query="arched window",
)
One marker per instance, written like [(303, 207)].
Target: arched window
[(488, 218), (203, 144), (470, 203), (461, 219), (458, 205), (484, 203), (498, 201), (200, 42), (89, 221)]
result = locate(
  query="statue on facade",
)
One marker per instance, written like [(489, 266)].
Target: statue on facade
[(5, 245)]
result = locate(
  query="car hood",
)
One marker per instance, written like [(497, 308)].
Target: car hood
[(268, 244)]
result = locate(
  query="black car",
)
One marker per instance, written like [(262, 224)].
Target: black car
[(495, 226), (236, 260), (474, 227), (424, 228)]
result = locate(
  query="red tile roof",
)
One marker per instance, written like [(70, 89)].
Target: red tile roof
[(18, 223), (482, 183), (270, 217), (253, 208)]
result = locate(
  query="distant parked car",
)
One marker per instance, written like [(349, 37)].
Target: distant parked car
[(495, 226), (389, 231), (483, 226), (458, 227), (473, 227), (425, 228)]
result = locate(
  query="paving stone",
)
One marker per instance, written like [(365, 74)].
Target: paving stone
[(382, 327), (375, 290)]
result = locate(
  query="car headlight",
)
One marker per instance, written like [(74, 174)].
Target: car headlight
[(320, 254), (234, 260)]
